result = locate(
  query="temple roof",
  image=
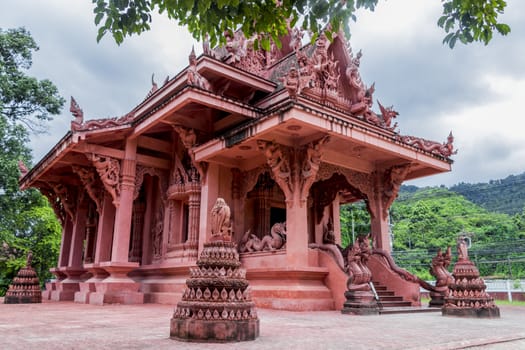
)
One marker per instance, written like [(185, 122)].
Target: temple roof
[(234, 95)]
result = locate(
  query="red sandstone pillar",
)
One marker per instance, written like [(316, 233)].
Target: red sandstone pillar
[(380, 229), (105, 230), (296, 233), (71, 256), (122, 231), (74, 266), (118, 287), (148, 222), (102, 250), (209, 194), (65, 244), (336, 208)]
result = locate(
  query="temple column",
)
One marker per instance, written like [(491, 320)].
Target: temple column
[(118, 287), (386, 187), (148, 225), (194, 204), (65, 244), (106, 223), (336, 210), (67, 288), (209, 194), (296, 232), (74, 266), (63, 259), (380, 229), (295, 170), (104, 239)]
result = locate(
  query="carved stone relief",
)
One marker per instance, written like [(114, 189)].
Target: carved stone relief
[(88, 178), (109, 171)]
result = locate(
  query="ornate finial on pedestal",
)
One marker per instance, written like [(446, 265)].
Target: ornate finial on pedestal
[(25, 288), (466, 295), (23, 169), (77, 112), (216, 305)]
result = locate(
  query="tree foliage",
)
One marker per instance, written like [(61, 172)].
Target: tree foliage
[(472, 20), (463, 20), (23, 98), (26, 220)]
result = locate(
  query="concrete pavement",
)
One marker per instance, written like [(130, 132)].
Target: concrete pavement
[(66, 325)]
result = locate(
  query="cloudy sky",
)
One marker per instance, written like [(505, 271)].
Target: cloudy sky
[(476, 91)]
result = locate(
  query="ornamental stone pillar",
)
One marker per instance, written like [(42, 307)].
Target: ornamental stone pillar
[(118, 287), (194, 208), (65, 243), (295, 169), (74, 266), (386, 188), (122, 232), (104, 238)]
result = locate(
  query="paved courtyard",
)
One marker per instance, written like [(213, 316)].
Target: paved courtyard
[(67, 325)]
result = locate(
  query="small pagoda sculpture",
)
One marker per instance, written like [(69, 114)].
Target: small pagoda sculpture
[(360, 299), (466, 295), (216, 305), (25, 288)]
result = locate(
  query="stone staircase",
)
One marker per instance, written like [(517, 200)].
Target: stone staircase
[(389, 303)]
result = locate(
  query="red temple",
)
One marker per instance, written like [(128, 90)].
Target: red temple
[(284, 136)]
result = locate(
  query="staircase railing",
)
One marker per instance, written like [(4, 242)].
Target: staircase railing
[(404, 274)]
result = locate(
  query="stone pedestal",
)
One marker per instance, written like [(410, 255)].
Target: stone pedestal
[(216, 306), (467, 296), (52, 285), (65, 289), (118, 288), (88, 287), (436, 299), (360, 303)]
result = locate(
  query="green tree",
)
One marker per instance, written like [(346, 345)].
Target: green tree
[(463, 20), (26, 220), (355, 221)]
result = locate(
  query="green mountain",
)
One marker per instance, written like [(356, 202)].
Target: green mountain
[(425, 219), (502, 196), (430, 218)]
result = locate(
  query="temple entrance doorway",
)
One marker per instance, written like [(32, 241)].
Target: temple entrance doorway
[(265, 206)]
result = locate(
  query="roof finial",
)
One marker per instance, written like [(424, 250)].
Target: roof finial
[(76, 111), (192, 57)]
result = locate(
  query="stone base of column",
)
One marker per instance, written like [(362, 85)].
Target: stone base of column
[(116, 293), (117, 288), (360, 303), (88, 287), (65, 291), (50, 287), (220, 331), (85, 290), (473, 312), (436, 299)]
